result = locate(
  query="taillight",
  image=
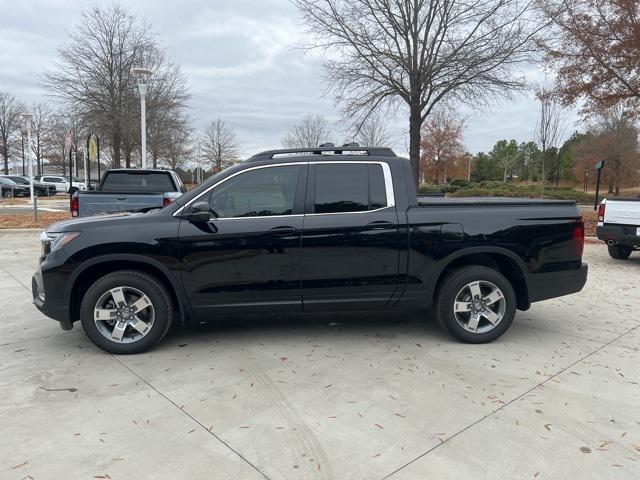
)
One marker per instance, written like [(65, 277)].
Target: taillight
[(73, 204), (577, 238), (166, 201), (601, 212)]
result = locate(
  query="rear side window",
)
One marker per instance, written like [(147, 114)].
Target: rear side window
[(138, 182), (355, 187)]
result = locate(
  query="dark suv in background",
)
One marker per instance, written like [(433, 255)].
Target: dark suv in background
[(39, 189)]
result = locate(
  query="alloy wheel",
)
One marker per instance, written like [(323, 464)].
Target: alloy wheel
[(124, 314), (479, 306)]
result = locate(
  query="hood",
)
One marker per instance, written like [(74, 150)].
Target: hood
[(80, 224)]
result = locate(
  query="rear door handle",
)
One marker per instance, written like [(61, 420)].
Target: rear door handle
[(285, 230), (380, 224)]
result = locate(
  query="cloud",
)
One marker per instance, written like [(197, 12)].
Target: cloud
[(239, 59)]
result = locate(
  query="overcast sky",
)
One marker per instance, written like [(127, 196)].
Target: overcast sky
[(240, 60)]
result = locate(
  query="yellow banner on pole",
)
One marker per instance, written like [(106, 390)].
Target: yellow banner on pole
[(93, 148)]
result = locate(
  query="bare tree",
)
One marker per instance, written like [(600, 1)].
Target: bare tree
[(551, 126), (313, 130), (374, 132), (94, 75), (178, 147), (42, 126), (219, 145), (419, 53), (11, 111)]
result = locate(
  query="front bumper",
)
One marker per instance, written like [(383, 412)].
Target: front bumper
[(620, 234), (543, 286), (48, 296)]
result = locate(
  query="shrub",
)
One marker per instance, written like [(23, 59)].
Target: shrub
[(460, 182)]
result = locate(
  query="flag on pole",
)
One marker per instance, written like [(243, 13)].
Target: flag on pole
[(68, 143)]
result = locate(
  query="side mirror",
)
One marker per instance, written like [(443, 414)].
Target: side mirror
[(198, 213)]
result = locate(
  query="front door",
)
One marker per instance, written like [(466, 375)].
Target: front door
[(350, 241), (248, 255)]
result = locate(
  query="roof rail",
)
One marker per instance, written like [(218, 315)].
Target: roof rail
[(326, 147)]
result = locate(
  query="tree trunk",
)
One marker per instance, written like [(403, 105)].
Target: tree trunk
[(414, 141), (6, 162), (115, 138)]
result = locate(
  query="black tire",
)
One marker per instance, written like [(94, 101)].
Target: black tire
[(619, 252), (7, 194), (149, 286), (454, 283)]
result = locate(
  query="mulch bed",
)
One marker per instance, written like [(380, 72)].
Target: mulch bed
[(25, 220)]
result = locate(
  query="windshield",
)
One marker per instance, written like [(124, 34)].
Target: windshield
[(6, 181), (210, 181), (20, 180)]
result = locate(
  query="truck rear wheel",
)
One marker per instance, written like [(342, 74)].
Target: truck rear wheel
[(619, 252), (475, 304), (126, 312)]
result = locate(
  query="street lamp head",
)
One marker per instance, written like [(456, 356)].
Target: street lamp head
[(142, 74)]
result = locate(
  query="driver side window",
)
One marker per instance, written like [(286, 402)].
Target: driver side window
[(257, 193)]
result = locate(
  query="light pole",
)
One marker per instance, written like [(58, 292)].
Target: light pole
[(143, 74), (28, 117)]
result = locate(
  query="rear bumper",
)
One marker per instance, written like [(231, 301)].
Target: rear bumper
[(620, 234), (543, 286)]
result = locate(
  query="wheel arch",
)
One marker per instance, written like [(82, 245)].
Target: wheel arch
[(502, 260), (97, 267)]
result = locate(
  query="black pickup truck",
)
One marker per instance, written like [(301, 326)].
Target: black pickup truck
[(330, 229)]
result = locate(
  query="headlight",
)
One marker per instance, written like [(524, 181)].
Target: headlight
[(55, 240)]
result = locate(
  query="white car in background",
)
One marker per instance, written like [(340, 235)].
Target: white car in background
[(619, 226), (60, 182)]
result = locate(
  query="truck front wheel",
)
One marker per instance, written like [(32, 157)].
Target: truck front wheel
[(475, 304), (126, 312), (619, 252)]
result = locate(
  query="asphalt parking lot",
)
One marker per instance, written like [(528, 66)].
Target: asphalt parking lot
[(327, 397)]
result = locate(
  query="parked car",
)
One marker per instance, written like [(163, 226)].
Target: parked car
[(61, 183), (130, 190), (337, 228), (39, 189), (619, 226), (10, 189)]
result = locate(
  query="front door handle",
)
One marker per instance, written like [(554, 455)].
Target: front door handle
[(380, 224), (285, 230)]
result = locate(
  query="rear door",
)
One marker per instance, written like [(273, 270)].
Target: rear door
[(350, 240)]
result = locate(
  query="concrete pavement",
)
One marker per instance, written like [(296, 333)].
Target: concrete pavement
[(328, 397)]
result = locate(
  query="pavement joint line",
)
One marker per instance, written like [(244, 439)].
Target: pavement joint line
[(217, 437), (502, 407), (13, 276), (586, 339), (25, 340)]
